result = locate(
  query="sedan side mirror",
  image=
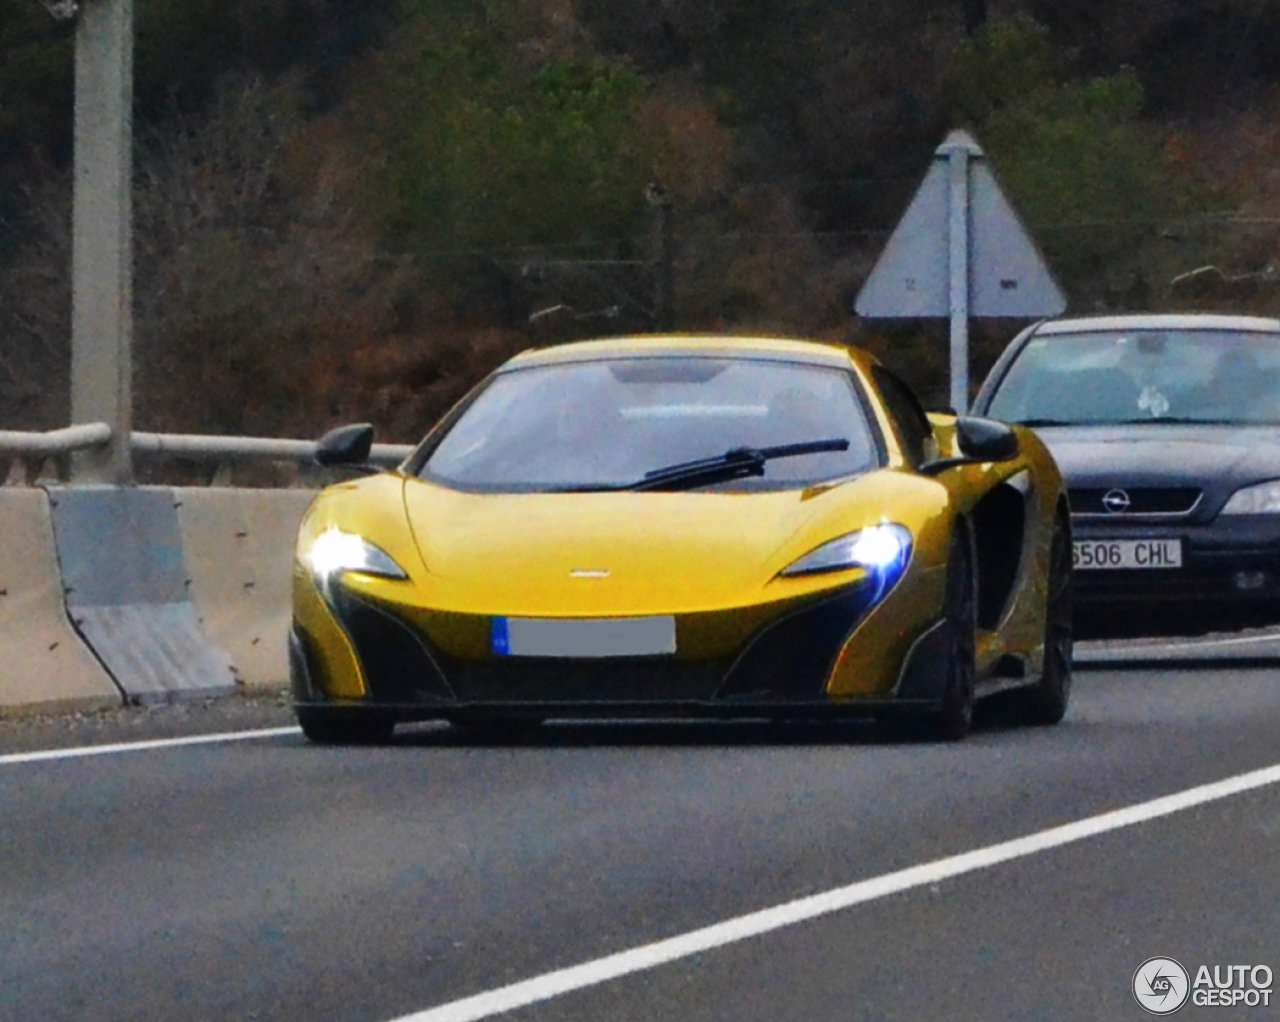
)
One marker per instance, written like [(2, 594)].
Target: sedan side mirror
[(346, 445), (986, 439)]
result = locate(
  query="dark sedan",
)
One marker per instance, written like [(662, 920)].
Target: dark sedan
[(1167, 430)]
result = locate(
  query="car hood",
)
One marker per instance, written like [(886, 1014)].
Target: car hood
[(570, 553), (1217, 459)]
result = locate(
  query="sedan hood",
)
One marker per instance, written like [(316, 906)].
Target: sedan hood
[(550, 553), (1217, 459)]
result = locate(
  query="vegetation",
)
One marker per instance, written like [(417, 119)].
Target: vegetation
[(354, 208)]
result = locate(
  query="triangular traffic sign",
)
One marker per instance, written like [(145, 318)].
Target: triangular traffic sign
[(1007, 276), (911, 279)]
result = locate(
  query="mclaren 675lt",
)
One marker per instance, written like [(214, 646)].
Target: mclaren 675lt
[(680, 526)]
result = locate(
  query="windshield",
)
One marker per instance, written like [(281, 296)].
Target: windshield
[(1227, 376), (605, 424)]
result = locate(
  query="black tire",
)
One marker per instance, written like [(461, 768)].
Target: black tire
[(326, 726), (954, 720), (1046, 702)]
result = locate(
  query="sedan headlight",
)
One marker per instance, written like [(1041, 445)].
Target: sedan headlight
[(335, 552), (1263, 499), (881, 549)]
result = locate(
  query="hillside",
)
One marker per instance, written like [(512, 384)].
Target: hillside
[(353, 208)]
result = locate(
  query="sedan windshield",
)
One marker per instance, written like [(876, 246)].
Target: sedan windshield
[(1173, 376), (605, 424)]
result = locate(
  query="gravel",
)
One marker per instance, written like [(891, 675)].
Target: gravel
[(242, 711)]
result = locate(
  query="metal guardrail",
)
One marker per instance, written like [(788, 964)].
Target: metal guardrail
[(35, 449), (57, 441), (219, 448)]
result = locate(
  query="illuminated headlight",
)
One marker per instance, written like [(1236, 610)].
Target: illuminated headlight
[(881, 549), (1263, 499), (335, 552)]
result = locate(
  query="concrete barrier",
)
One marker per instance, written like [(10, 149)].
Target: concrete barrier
[(44, 665), (239, 548)]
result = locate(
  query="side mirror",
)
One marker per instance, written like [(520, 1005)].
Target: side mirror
[(979, 440), (346, 445), (985, 439)]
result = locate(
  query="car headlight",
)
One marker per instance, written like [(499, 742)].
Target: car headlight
[(881, 549), (335, 552), (1263, 499)]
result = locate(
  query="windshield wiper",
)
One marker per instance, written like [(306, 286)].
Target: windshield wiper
[(1177, 420), (733, 464), (1168, 420)]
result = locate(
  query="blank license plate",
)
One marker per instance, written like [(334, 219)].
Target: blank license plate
[(1111, 554), (584, 637)]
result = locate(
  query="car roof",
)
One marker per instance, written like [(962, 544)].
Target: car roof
[(778, 349), (1165, 321)]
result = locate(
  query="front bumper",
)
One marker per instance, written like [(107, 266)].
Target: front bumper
[(1231, 559), (782, 669)]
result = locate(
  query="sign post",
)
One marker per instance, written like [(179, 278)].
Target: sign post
[(957, 152), (960, 251)]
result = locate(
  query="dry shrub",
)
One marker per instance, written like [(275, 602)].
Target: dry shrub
[(775, 276), (406, 383), (263, 304), (692, 149), (1235, 157), (35, 307), (258, 274)]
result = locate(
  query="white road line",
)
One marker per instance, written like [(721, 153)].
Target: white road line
[(1119, 649), (730, 931), (80, 751), (1215, 643)]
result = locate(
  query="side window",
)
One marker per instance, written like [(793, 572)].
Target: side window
[(909, 420)]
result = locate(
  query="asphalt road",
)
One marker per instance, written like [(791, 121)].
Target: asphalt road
[(267, 879)]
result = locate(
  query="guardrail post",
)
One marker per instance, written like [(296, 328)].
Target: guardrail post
[(102, 246), (17, 474)]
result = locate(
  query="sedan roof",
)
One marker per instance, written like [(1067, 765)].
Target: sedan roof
[(1143, 321)]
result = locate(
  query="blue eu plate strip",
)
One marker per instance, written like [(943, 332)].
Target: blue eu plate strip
[(501, 636)]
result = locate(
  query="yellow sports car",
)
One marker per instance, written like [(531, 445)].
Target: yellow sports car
[(684, 526)]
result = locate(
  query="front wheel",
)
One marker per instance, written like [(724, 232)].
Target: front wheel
[(1046, 703), (953, 721), (327, 726)]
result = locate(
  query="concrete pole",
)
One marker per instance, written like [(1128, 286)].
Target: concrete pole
[(102, 238), (958, 154), (666, 270), (664, 281)]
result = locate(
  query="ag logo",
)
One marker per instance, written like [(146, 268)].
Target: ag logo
[(1161, 986)]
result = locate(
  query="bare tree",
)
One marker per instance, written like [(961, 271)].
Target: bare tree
[(35, 306), (258, 272)]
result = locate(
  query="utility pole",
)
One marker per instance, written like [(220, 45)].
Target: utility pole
[(664, 287), (102, 236)]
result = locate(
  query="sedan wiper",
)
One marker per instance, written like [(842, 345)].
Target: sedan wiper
[(1177, 420), (733, 464), (1033, 423)]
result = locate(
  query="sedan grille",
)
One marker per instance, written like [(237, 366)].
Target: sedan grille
[(1119, 501)]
